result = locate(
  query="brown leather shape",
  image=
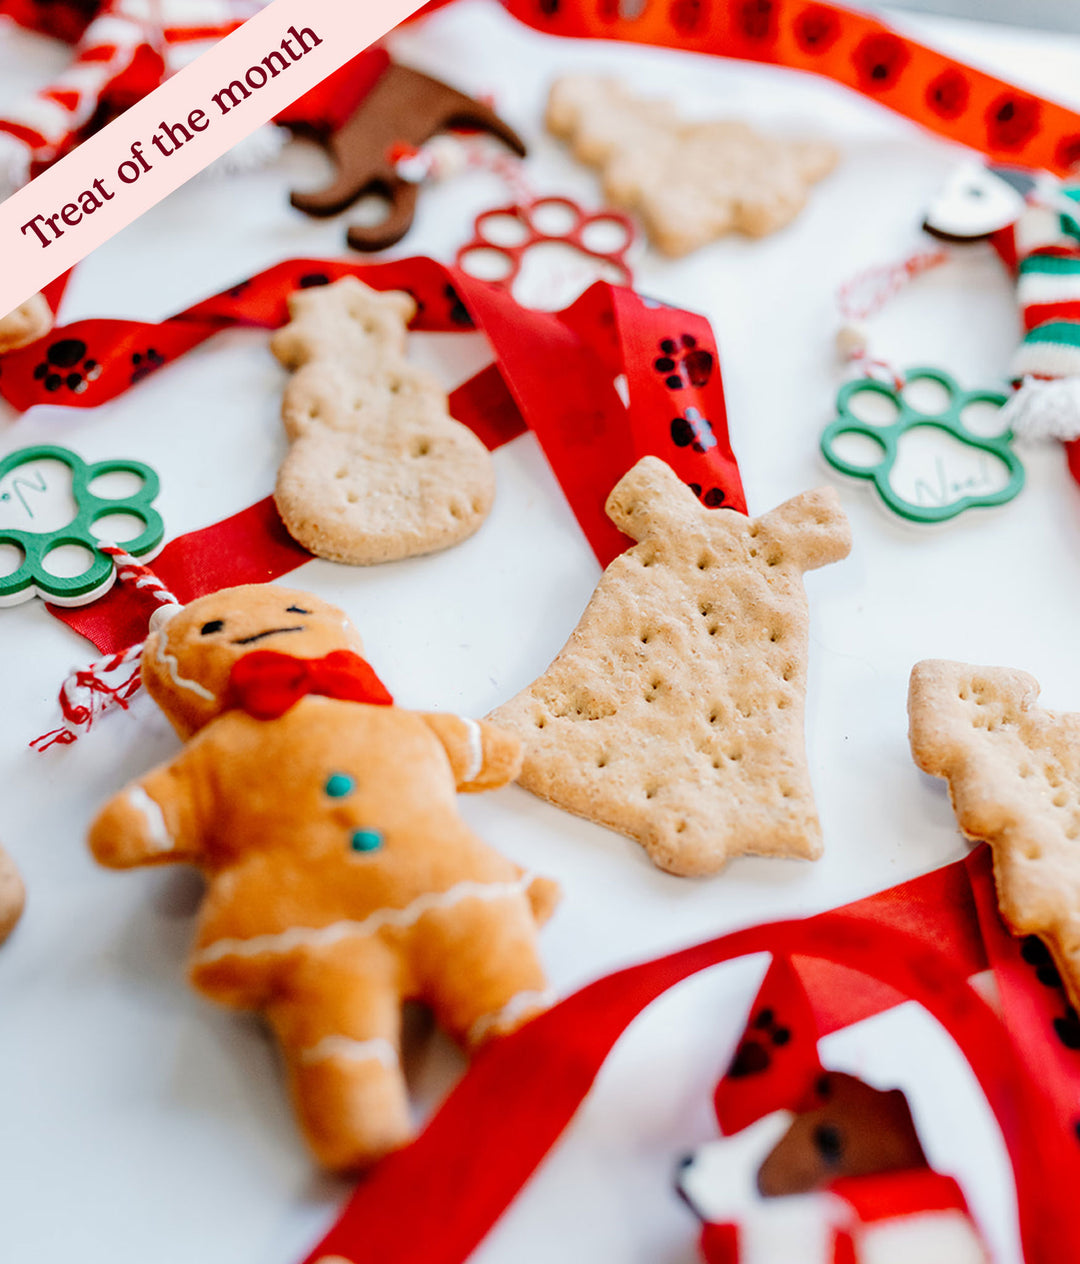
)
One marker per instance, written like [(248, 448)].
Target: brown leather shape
[(404, 107), (856, 1131)]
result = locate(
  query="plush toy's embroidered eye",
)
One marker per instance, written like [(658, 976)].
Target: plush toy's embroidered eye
[(829, 1143), (298, 610), (215, 625), (339, 784), (366, 840)]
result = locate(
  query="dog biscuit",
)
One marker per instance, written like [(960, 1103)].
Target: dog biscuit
[(674, 713), (26, 324), (1013, 772), (378, 470), (690, 182)]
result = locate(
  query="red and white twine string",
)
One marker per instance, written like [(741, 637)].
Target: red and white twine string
[(866, 294), (88, 692), (474, 153), (868, 291), (130, 571)]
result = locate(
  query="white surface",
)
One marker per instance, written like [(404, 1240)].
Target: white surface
[(141, 1123)]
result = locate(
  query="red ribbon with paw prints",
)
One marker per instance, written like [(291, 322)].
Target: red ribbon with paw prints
[(611, 379)]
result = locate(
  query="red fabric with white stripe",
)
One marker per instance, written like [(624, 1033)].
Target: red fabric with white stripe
[(864, 1204), (119, 58)]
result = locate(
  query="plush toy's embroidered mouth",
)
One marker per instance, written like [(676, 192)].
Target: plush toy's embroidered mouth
[(685, 1162), (260, 636)]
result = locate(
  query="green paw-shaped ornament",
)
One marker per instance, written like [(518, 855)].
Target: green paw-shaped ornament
[(37, 520), (927, 465)]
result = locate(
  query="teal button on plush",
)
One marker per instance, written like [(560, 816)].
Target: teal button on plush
[(366, 840), (339, 785)]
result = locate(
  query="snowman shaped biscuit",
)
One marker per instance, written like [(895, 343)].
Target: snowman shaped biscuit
[(341, 880)]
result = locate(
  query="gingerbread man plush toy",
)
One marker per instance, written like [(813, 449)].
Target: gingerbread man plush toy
[(342, 881)]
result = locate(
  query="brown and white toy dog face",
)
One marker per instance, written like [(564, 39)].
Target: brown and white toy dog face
[(191, 650), (856, 1130)]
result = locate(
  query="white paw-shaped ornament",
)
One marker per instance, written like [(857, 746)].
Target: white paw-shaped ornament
[(547, 252)]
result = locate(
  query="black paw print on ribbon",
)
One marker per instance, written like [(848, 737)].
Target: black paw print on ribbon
[(459, 313), (1036, 953), (711, 499), (753, 1055), (688, 16), (1067, 1027), (757, 19), (66, 367), (880, 60), (143, 363), (683, 363), (1012, 120), (692, 430)]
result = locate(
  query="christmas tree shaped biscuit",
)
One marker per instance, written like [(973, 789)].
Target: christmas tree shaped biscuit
[(1013, 771), (378, 470), (691, 182), (674, 713)]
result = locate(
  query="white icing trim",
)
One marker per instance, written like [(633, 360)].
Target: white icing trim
[(476, 751), (514, 1008), (399, 918), (378, 1049), (168, 661), (150, 810)]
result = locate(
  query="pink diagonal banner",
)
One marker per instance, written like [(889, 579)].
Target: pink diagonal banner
[(177, 130)]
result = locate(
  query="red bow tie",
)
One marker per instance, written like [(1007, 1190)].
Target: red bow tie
[(266, 684)]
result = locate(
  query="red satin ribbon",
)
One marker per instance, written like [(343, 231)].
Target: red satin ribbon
[(956, 906), (889, 1194), (554, 371), (266, 684), (821, 996), (522, 1091)]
